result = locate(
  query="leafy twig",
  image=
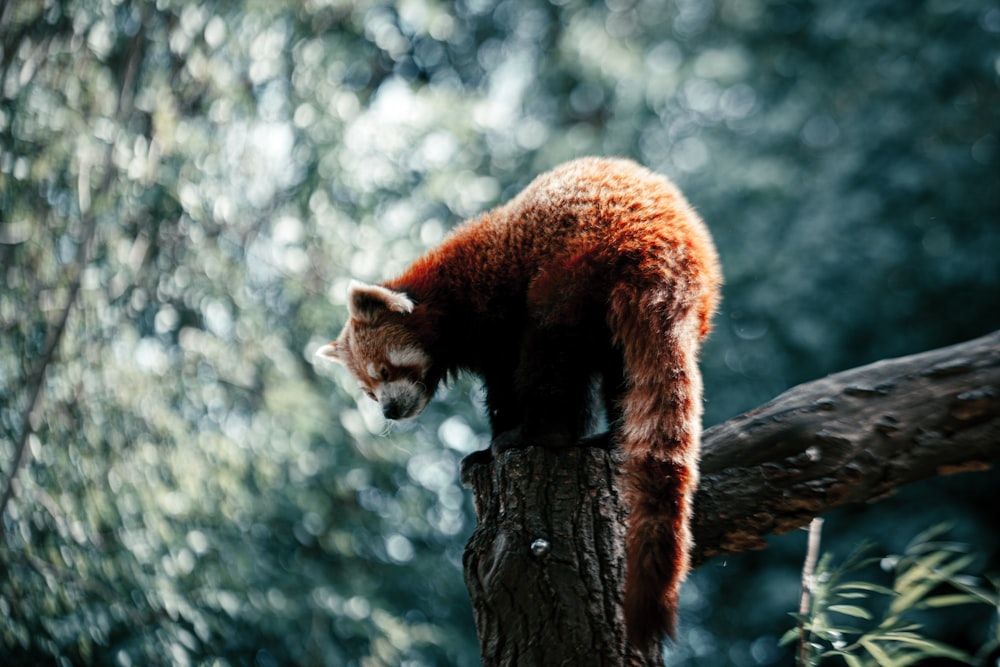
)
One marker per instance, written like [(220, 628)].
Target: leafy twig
[(888, 640)]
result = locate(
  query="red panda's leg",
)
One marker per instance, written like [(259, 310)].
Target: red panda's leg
[(551, 384), (501, 403), (613, 385)]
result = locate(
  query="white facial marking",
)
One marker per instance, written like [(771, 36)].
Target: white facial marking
[(373, 372), (407, 356)]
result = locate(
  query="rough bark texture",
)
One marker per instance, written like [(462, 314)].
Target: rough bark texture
[(545, 566), (850, 437)]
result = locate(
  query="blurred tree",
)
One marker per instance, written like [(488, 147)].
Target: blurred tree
[(185, 188)]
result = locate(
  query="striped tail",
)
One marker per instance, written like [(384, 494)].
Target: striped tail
[(660, 435)]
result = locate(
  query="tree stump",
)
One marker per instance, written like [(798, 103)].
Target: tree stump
[(545, 566)]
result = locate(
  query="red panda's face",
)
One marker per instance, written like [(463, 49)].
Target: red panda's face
[(383, 355), (390, 368)]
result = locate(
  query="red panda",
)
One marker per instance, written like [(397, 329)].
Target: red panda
[(597, 269)]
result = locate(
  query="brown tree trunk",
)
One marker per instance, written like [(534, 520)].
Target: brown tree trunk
[(545, 565)]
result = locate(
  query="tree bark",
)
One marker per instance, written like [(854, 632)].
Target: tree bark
[(850, 437), (545, 565)]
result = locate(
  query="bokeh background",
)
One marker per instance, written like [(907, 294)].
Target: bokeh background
[(185, 189)]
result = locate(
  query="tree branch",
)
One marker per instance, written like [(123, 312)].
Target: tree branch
[(846, 438)]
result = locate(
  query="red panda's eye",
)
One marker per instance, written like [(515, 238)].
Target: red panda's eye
[(384, 373)]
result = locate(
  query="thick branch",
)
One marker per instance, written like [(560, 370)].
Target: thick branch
[(849, 437)]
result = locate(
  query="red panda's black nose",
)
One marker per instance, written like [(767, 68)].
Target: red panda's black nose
[(403, 408), (392, 411), (400, 400)]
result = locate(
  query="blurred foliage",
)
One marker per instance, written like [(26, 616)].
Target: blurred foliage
[(185, 189), (861, 623)]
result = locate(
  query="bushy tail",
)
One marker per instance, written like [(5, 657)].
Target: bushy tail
[(658, 546), (660, 435)]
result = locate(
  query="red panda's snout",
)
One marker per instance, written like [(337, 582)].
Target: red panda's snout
[(402, 389), (402, 399)]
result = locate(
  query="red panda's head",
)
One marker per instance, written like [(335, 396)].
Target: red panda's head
[(381, 352)]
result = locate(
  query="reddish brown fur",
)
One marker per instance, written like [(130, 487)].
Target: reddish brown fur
[(597, 267)]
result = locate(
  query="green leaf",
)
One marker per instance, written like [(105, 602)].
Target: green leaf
[(981, 594), (791, 635), (852, 660), (911, 658), (920, 569), (851, 610), (800, 618), (896, 635), (865, 586), (928, 534), (931, 648), (922, 578), (877, 652), (947, 601), (894, 623), (852, 596)]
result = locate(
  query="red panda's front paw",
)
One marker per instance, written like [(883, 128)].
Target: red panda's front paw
[(519, 438), (483, 457), (507, 440)]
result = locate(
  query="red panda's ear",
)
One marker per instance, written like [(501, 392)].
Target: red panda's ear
[(331, 351), (365, 302)]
